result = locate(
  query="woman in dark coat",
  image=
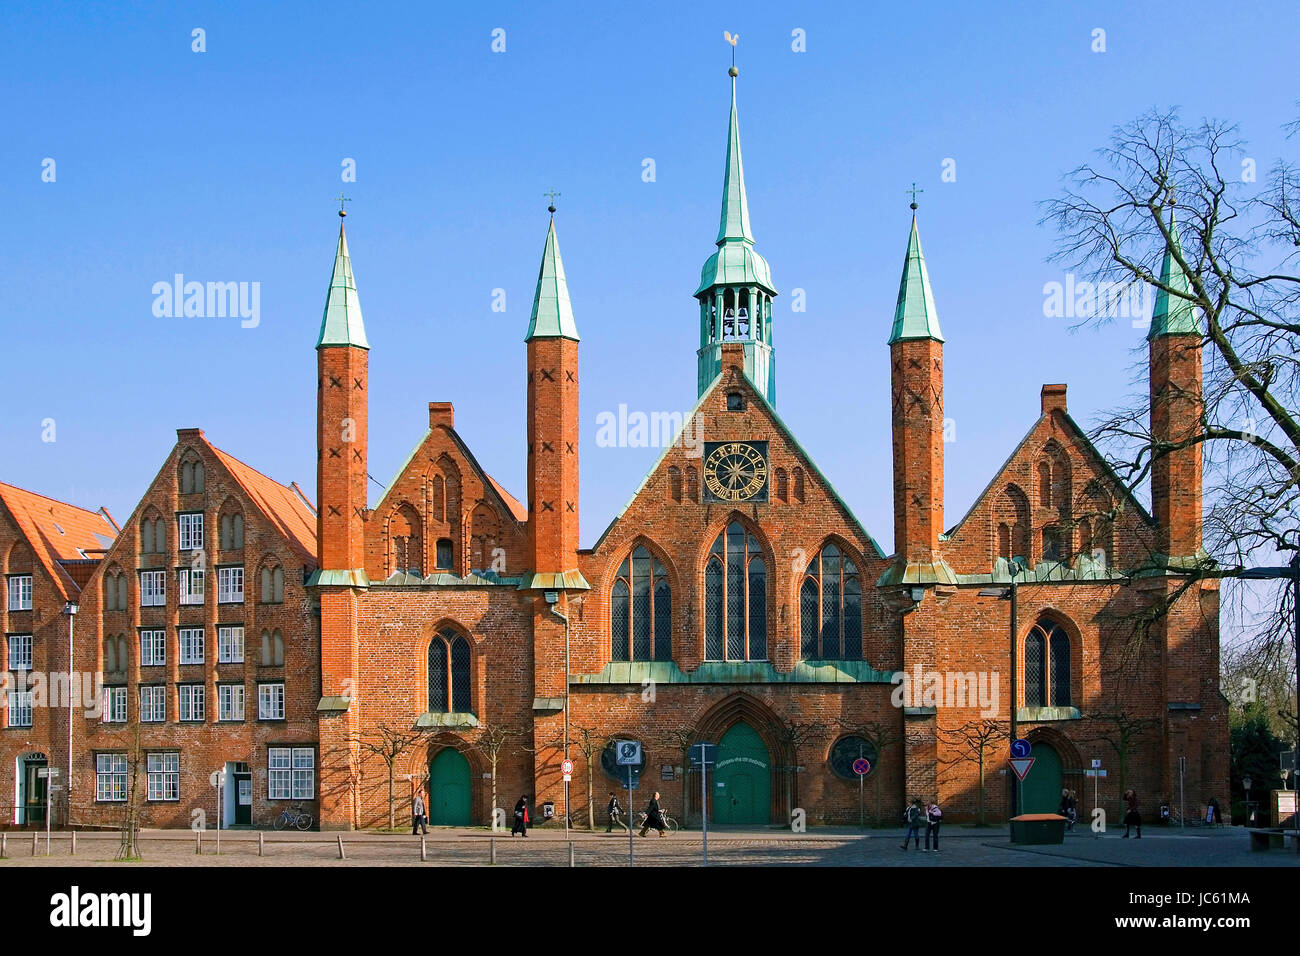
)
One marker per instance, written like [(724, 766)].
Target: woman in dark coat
[(1131, 816), (521, 817)]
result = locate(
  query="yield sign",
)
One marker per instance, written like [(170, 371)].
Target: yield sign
[(1021, 766)]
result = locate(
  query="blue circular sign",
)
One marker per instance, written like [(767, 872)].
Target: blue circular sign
[(862, 766), (1021, 748)]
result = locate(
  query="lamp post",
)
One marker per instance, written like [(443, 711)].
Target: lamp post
[(70, 609), (552, 598)]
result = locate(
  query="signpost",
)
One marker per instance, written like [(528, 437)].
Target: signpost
[(862, 767), (566, 768), (218, 780), (627, 753), (1021, 761), (702, 756), (50, 774)]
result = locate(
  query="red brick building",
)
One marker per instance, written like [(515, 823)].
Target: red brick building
[(735, 600)]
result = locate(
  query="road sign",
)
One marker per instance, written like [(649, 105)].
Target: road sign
[(862, 766), (703, 753), (218, 778), (1094, 773), (568, 778), (1096, 765), (628, 752), (48, 772), (1021, 765), (566, 768), (1021, 748)]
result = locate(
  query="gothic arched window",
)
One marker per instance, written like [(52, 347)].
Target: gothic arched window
[(1047, 666), (830, 608), (449, 687), (641, 610), (735, 598)]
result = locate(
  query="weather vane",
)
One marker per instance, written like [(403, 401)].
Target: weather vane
[(733, 40), (551, 194), (341, 199), (913, 191)]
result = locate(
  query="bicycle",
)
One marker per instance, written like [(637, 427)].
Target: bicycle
[(294, 816), (669, 823)]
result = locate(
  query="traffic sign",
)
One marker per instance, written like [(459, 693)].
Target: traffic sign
[(1094, 773), (568, 778), (218, 778), (628, 753), (702, 753), (48, 772), (862, 766), (1096, 764), (1021, 765), (1021, 748), (566, 768)]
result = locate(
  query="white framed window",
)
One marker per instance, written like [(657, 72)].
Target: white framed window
[(191, 641), (189, 531), (270, 701), (153, 648), (189, 586), (230, 644), (20, 708), (291, 773), (230, 585), (114, 709), (110, 777), (20, 652), (163, 772), (153, 588), (192, 700), (20, 592), (230, 702), (153, 703)]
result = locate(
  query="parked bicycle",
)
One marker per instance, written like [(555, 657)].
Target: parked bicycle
[(294, 816)]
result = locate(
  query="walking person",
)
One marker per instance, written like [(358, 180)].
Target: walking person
[(521, 817), (1073, 808), (913, 817), (933, 818), (654, 817), (1132, 817), (615, 811), (419, 816)]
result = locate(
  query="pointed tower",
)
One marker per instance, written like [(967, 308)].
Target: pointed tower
[(552, 418), (736, 292), (916, 361), (342, 359), (1174, 359)]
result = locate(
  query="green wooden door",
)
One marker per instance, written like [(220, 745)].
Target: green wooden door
[(743, 779), (1042, 787), (449, 796)]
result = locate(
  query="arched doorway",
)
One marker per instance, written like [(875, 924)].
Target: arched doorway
[(32, 796), (743, 779), (449, 789), (1043, 783)]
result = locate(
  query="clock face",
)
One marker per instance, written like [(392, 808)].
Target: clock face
[(735, 471)]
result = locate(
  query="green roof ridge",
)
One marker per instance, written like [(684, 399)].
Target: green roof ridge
[(341, 324), (915, 316), (1178, 318), (552, 316)]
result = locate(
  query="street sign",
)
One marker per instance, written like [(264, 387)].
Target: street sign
[(48, 772), (1021, 765), (627, 752), (566, 768), (1021, 748), (568, 778), (702, 753), (218, 778), (1094, 773), (1096, 765), (862, 766)]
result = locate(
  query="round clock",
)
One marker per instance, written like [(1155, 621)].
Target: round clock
[(735, 471)]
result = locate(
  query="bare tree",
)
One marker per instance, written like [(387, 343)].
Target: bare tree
[(883, 737), (389, 741), (590, 743), (970, 743), (491, 742), (794, 735), (1116, 725), (679, 741), (129, 847), (1162, 187)]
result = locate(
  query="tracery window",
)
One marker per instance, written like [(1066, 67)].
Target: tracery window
[(830, 608), (735, 598)]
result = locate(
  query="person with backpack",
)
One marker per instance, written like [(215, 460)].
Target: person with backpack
[(933, 818), (913, 817)]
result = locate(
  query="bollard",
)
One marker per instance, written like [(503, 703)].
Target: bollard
[(4, 846), (570, 853), (34, 836), (424, 853), (342, 855), (198, 842), (261, 844), (492, 852), (74, 843)]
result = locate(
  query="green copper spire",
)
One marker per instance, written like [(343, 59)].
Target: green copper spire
[(1177, 317), (735, 206), (915, 316), (341, 324), (552, 316)]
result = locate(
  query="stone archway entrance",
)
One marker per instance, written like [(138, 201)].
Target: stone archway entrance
[(1043, 783), (743, 779), (449, 789)]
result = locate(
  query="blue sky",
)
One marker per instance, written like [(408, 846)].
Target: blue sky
[(221, 165)]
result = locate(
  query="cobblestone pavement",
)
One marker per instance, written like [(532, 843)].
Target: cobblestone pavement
[(962, 846)]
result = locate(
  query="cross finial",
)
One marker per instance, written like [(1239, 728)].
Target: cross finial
[(341, 199), (551, 194), (913, 191)]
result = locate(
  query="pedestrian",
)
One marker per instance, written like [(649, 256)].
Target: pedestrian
[(521, 817), (1073, 815), (615, 811), (933, 817), (654, 817), (1132, 817), (1213, 814), (1063, 808), (913, 817), (419, 819)]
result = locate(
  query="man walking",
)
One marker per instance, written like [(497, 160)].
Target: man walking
[(654, 817), (913, 817), (419, 817), (615, 811)]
